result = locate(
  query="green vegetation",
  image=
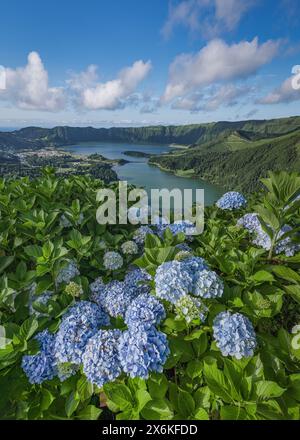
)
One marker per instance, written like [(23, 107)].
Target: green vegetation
[(235, 161), (198, 381)]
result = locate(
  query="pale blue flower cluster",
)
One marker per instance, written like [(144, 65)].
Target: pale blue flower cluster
[(112, 260), (144, 311), (208, 284), (173, 279), (101, 363), (190, 309), (116, 297), (143, 351), (129, 248), (96, 287), (140, 234), (138, 279), (41, 366), (234, 335), (231, 200), (78, 325), (184, 226), (184, 247), (250, 222), (261, 238), (67, 273)]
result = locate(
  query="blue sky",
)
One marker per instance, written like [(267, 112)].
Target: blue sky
[(139, 62)]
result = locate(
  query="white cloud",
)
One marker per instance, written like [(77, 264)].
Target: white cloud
[(211, 17), (28, 87), (216, 62), (212, 98), (109, 95), (284, 94)]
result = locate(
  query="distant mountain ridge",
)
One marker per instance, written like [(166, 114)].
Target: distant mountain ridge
[(195, 134)]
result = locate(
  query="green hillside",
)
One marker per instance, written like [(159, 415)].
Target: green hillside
[(185, 134), (235, 162)]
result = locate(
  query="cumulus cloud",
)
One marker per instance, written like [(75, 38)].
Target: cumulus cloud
[(112, 94), (216, 62), (28, 87), (212, 99), (289, 91), (210, 17)]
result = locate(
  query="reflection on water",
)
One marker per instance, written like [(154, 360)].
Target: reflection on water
[(138, 172)]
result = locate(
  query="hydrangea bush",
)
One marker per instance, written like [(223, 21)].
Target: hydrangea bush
[(148, 322)]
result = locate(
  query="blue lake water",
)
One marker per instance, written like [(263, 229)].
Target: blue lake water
[(138, 172)]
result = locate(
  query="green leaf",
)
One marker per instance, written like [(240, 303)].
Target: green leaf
[(262, 276), (216, 380), (266, 389), (84, 388), (91, 412), (233, 413), (28, 328), (294, 291), (47, 399), (194, 369), (72, 403), (157, 385), (33, 251), (120, 395), (286, 273), (5, 262), (200, 414), (186, 404), (157, 409), (142, 397)]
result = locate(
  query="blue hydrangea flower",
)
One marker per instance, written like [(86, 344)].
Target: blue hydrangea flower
[(194, 264), (144, 311), (96, 288), (67, 273), (173, 279), (140, 234), (185, 226), (41, 366), (262, 239), (112, 260), (234, 335), (190, 309), (101, 362), (208, 284), (231, 200), (250, 222), (88, 313), (184, 247), (71, 340), (138, 279), (78, 325), (116, 297), (142, 351), (129, 248)]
